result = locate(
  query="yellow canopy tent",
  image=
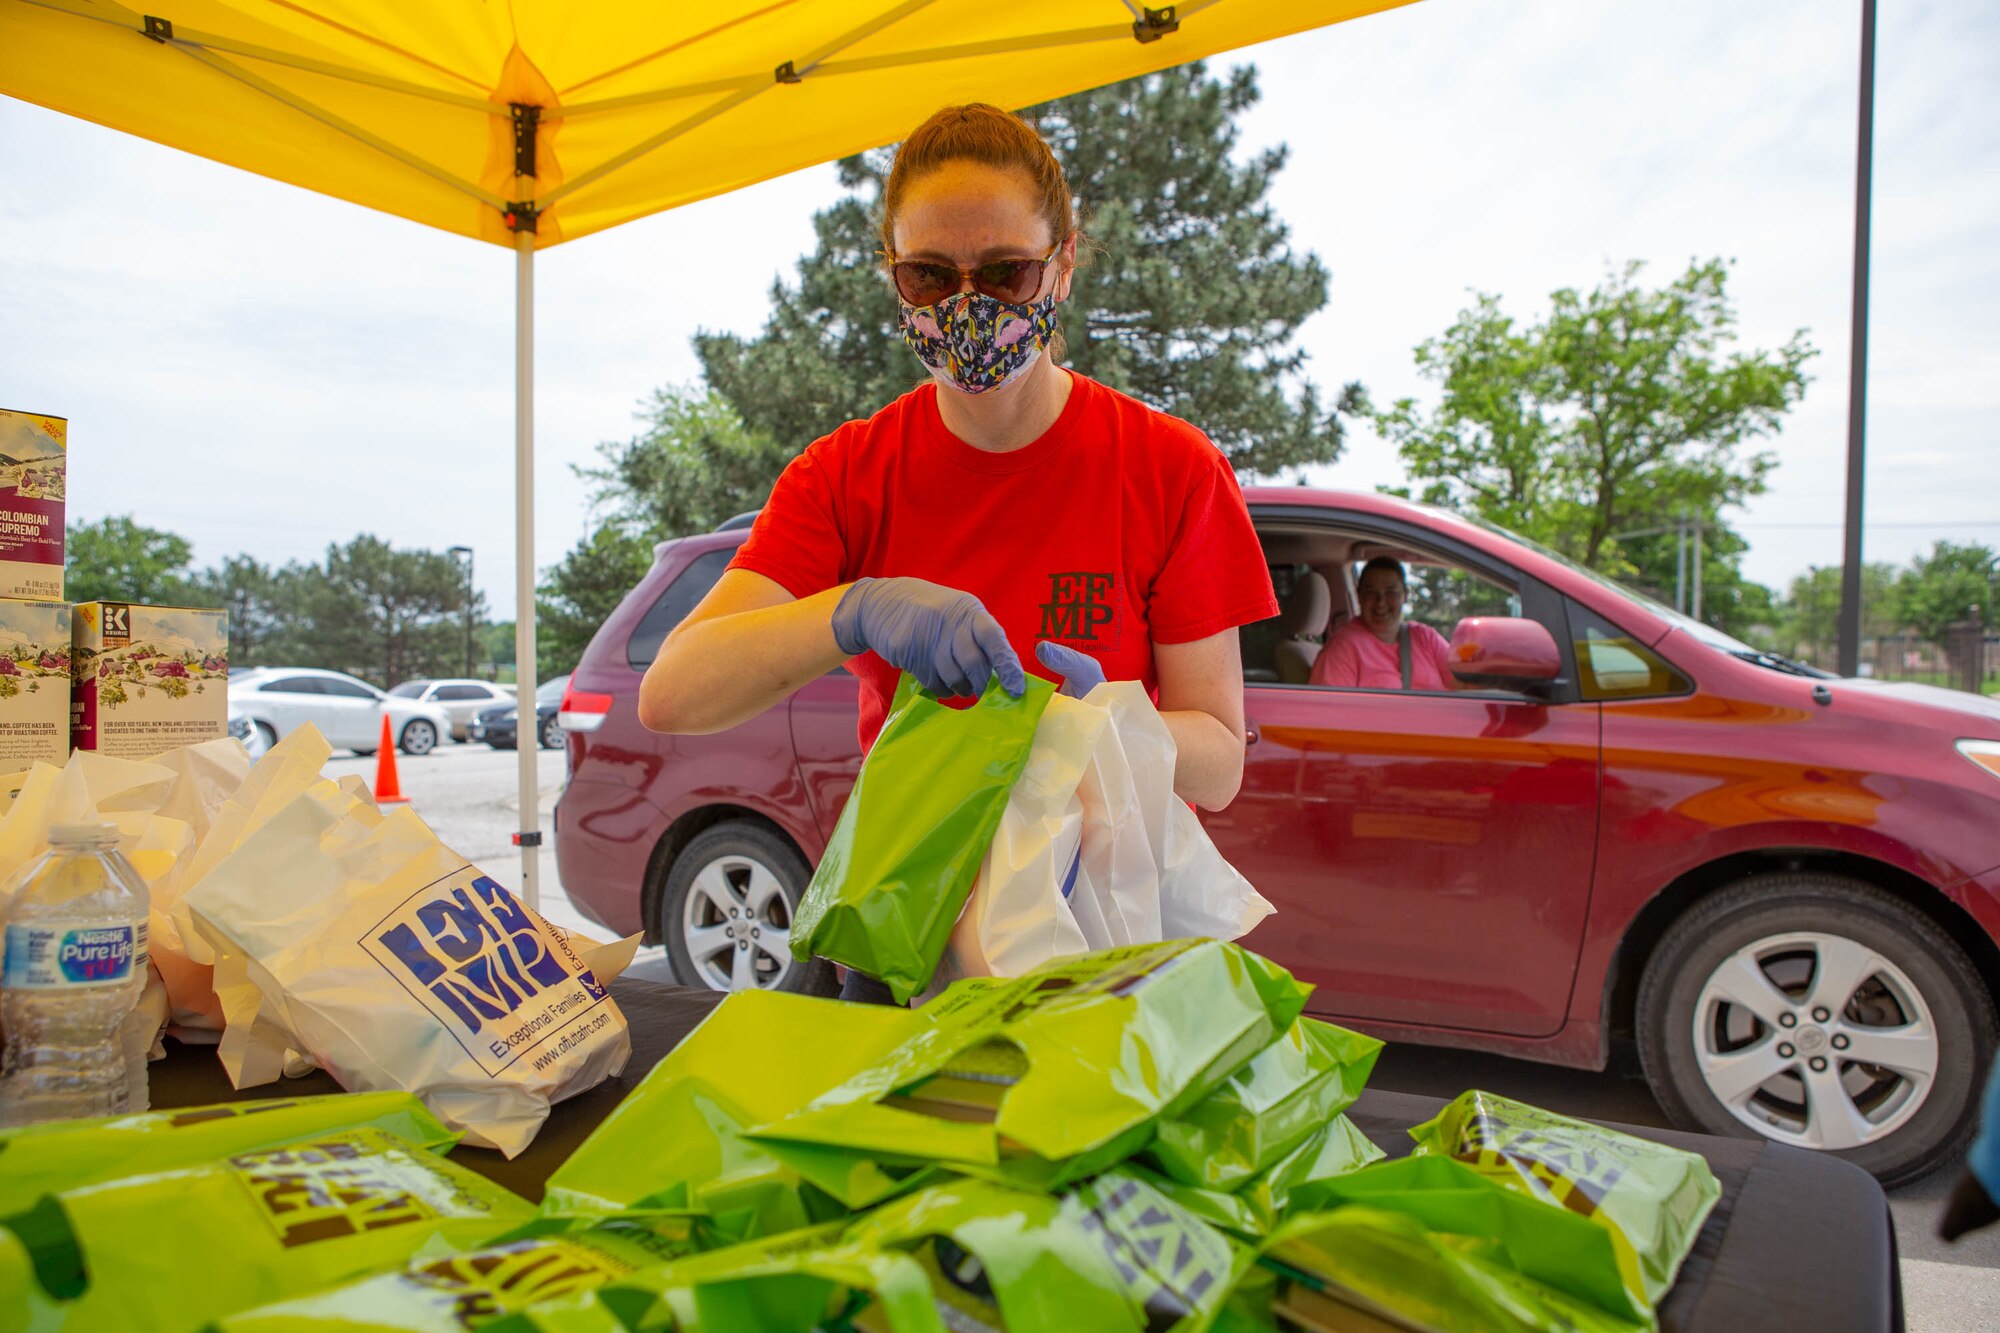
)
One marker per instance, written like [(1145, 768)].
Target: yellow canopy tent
[(531, 122)]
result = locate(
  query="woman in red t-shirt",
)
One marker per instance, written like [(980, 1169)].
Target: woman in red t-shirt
[(1007, 505)]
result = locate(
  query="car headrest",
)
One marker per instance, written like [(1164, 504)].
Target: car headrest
[(1306, 607)]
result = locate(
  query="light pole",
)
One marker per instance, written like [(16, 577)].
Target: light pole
[(464, 554), (1849, 650)]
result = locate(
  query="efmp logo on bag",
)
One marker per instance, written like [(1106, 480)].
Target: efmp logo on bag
[(467, 950)]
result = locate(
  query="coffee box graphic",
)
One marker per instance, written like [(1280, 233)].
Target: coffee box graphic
[(34, 683), (34, 474), (147, 679)]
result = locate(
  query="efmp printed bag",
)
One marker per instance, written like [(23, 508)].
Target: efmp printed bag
[(362, 942)]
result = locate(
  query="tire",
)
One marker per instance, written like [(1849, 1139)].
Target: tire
[(419, 738), (751, 869), (364, 754), (268, 732), (1730, 1026), (551, 734)]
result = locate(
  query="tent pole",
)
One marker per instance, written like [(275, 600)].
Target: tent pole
[(527, 729)]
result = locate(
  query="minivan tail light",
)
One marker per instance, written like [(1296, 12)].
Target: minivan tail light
[(581, 710), (1986, 754)]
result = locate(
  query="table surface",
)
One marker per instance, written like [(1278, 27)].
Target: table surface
[(1799, 1239)]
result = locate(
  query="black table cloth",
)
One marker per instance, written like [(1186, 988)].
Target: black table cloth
[(1798, 1240)]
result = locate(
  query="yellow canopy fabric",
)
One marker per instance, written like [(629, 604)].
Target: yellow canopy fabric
[(407, 106)]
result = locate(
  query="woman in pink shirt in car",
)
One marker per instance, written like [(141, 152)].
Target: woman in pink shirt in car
[(1372, 651)]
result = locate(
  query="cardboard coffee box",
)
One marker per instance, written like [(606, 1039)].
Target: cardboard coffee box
[(34, 683), (34, 473), (147, 678)]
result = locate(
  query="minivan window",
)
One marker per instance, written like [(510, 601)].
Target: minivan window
[(673, 605), (1614, 665)]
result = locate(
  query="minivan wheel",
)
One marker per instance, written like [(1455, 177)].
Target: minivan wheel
[(419, 738), (726, 910), (1821, 1012)]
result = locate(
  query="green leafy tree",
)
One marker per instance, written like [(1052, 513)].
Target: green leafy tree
[(1189, 300), (380, 613), (693, 466), (1809, 615), (497, 646), (259, 600), (119, 560), (581, 590), (1956, 582), (1617, 412), (1652, 563)]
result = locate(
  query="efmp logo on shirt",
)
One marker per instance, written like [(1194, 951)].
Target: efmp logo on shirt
[(1082, 608)]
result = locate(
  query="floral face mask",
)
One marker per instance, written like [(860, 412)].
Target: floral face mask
[(976, 343)]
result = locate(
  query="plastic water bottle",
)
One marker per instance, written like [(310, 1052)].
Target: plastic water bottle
[(73, 971)]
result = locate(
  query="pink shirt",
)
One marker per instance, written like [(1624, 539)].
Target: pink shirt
[(1355, 659)]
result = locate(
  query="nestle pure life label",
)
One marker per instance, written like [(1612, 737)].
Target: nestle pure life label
[(147, 679), (55, 956), (34, 683), (34, 474)]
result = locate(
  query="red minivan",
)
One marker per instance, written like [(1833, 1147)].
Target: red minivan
[(1785, 886)]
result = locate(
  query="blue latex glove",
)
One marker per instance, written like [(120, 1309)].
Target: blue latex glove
[(943, 637), (1984, 1159), (1080, 671)]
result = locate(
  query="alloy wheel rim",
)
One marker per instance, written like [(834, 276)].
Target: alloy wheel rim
[(1815, 1040), (419, 738), (736, 924)]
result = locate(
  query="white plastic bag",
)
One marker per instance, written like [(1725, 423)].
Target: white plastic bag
[(1094, 850), (360, 941)]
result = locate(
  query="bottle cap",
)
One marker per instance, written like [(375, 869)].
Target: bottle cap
[(96, 833)]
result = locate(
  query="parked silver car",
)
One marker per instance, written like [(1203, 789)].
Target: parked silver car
[(461, 698), (267, 704)]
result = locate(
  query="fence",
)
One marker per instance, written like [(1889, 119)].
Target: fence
[(1967, 658)]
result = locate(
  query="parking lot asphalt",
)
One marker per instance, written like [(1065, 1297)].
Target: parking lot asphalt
[(467, 794)]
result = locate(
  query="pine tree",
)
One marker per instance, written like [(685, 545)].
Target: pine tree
[(1189, 297)]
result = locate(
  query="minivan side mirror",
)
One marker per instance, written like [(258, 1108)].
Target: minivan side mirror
[(1503, 650)]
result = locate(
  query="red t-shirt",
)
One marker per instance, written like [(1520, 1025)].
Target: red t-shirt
[(1120, 527)]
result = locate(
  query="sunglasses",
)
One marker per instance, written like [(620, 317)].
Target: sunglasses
[(1014, 281)]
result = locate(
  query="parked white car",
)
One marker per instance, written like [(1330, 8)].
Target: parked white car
[(461, 698), (267, 704)]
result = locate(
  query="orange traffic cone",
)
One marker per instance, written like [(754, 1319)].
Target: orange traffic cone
[(388, 791)]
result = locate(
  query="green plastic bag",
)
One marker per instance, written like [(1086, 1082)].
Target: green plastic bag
[(1389, 1266), (1060, 1073), (799, 1282), (677, 1142), (173, 1251), (1292, 1088), (1294, 1183), (1650, 1198), (44, 1159), (468, 1289), (1526, 1234), (907, 847), (1110, 1254)]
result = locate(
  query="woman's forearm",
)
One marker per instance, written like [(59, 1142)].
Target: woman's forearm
[(1208, 762), (714, 673)]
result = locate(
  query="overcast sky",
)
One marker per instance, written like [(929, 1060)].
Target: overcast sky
[(266, 370)]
